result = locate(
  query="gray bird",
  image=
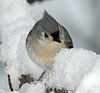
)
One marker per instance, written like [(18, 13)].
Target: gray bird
[(45, 40)]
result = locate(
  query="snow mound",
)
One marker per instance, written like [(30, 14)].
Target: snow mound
[(36, 88), (90, 83), (13, 92), (2, 91), (16, 22), (70, 67)]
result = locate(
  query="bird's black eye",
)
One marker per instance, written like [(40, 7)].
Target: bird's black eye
[(46, 36)]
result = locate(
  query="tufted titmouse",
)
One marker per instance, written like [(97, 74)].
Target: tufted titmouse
[(45, 40)]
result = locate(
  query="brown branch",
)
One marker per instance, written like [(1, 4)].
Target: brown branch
[(32, 1), (48, 90), (61, 91), (9, 82), (25, 79), (0, 42), (28, 79)]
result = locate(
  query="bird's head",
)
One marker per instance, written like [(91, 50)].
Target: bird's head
[(49, 29)]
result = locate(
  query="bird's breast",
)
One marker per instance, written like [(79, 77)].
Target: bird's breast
[(44, 52)]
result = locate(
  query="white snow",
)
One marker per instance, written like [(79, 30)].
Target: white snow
[(2, 91), (36, 88), (90, 83), (15, 26), (13, 92), (70, 67), (76, 70)]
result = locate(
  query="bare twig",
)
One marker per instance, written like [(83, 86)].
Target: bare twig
[(25, 79), (9, 82), (61, 91), (48, 90), (28, 79), (0, 42), (32, 1)]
